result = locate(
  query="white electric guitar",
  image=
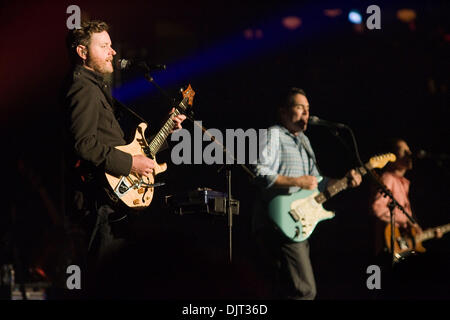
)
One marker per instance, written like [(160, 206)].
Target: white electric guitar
[(134, 190)]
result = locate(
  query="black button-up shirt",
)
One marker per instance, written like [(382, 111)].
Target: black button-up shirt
[(92, 126)]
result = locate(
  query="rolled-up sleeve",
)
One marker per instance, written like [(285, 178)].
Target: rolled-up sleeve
[(266, 169)]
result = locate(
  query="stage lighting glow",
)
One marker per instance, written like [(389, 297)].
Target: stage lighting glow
[(406, 15), (253, 34), (250, 42), (258, 34), (332, 13), (248, 33), (354, 17), (291, 22)]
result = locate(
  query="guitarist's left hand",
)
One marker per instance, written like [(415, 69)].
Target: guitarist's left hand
[(354, 178), (177, 120), (417, 228)]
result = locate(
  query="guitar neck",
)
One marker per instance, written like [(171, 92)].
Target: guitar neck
[(431, 233), (166, 129), (338, 186)]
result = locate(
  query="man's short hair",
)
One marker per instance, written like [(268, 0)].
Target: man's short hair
[(390, 145), (287, 97), (82, 36)]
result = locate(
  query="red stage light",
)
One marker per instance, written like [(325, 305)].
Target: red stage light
[(291, 22), (332, 13)]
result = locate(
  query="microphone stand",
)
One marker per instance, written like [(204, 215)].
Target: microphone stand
[(227, 166), (228, 201), (150, 79), (228, 206), (172, 101), (386, 192), (393, 203)]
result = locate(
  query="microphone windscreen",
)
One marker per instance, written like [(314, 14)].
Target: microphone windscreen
[(313, 119), (122, 64), (421, 154)]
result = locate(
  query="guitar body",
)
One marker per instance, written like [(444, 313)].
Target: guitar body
[(297, 214), (136, 191), (128, 189), (406, 242)]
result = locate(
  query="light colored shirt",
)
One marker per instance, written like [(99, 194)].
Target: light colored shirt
[(399, 186), (281, 153)]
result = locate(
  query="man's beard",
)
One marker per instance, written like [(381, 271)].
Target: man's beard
[(101, 66)]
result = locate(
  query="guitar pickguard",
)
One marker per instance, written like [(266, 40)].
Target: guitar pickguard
[(133, 189), (297, 215), (310, 213)]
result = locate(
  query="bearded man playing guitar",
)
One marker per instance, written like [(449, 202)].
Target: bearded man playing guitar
[(93, 132)]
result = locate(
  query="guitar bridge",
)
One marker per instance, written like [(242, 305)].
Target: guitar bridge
[(123, 186), (126, 184)]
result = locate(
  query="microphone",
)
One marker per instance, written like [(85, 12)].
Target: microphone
[(125, 64), (316, 121), (422, 154)]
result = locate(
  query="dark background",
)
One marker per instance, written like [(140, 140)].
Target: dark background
[(382, 83)]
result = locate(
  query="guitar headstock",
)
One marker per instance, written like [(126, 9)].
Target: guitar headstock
[(189, 93), (381, 160)]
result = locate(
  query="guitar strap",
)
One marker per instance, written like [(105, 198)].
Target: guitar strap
[(124, 107), (120, 105), (308, 151)]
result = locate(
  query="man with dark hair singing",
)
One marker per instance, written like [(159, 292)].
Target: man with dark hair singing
[(288, 165)]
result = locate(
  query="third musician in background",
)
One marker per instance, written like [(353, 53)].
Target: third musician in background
[(393, 177)]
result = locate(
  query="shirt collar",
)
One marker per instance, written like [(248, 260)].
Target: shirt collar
[(91, 75), (293, 136)]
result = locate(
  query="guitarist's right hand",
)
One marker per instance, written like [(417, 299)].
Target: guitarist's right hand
[(142, 165), (307, 182)]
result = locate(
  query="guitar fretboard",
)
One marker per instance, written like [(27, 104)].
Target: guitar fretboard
[(431, 233), (338, 186), (164, 132)]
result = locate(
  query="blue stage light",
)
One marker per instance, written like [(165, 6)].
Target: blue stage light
[(354, 17)]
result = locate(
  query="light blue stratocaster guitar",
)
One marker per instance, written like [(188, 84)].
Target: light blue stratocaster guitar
[(297, 214)]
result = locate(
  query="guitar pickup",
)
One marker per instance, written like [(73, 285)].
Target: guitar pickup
[(294, 215)]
